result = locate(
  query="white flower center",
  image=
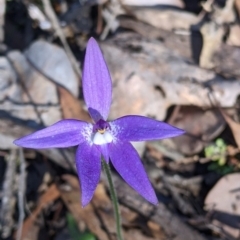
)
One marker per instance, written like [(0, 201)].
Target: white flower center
[(100, 138)]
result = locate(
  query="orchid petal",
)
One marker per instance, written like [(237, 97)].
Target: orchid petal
[(126, 161), (139, 128), (96, 81), (65, 133), (88, 163)]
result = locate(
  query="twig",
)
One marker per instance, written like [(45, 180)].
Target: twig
[(110, 13), (21, 193), (99, 20), (52, 17), (20, 77), (206, 8), (8, 200)]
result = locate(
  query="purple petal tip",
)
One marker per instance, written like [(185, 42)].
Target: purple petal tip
[(92, 41), (126, 161), (139, 128), (180, 132), (65, 133), (19, 142), (97, 83)]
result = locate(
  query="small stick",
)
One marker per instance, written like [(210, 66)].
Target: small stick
[(52, 17)]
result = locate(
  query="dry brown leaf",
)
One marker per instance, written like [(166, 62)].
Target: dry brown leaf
[(227, 62), (237, 5), (223, 201), (136, 234), (234, 36), (235, 127), (150, 78), (99, 213), (103, 206), (176, 3), (128, 216), (72, 181), (71, 106), (165, 19), (32, 233), (201, 125), (172, 225), (53, 61), (156, 230), (142, 28), (224, 15), (33, 96), (212, 37), (214, 31), (49, 196), (87, 214), (171, 39)]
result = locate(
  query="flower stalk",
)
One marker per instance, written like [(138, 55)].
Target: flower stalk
[(114, 199)]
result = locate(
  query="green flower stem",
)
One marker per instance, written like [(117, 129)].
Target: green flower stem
[(114, 199)]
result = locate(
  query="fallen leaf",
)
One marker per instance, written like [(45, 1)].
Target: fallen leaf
[(32, 233), (49, 196), (99, 214), (71, 106), (212, 37), (202, 126), (235, 127), (237, 5), (72, 181), (136, 234), (87, 214), (227, 61), (33, 97), (52, 61), (151, 78), (167, 19), (234, 36), (213, 32), (104, 208), (156, 230), (170, 39), (225, 15), (175, 3), (171, 224), (223, 202)]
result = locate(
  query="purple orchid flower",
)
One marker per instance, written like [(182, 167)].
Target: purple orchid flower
[(108, 139)]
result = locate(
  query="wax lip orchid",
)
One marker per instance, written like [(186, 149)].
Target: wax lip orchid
[(108, 139)]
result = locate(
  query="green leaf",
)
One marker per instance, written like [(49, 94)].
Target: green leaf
[(88, 236), (223, 170), (74, 231), (72, 227), (217, 151)]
